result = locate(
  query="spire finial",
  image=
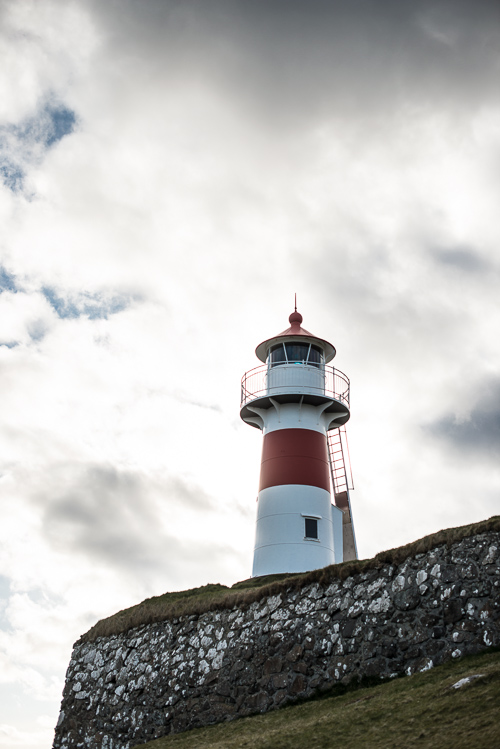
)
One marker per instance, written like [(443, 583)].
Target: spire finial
[(295, 318)]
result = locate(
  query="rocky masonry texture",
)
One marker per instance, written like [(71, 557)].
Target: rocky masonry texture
[(174, 675)]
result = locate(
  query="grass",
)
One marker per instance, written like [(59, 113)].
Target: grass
[(422, 710), (216, 597)]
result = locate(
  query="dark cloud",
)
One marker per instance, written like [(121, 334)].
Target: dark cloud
[(108, 515), (479, 435), (462, 258), (297, 60), (188, 494)]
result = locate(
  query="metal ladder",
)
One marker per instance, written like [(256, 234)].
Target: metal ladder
[(342, 483), (340, 465)]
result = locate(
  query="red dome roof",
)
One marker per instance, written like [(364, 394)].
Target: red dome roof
[(296, 331), (295, 328)]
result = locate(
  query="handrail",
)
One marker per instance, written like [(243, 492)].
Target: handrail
[(322, 380)]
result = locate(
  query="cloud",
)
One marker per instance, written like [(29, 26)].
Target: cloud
[(466, 259), (5, 591), (24, 317), (477, 436), (11, 736), (50, 124), (292, 63), (7, 281), (72, 304), (24, 144), (114, 517), (187, 494), (44, 48), (103, 513), (96, 305)]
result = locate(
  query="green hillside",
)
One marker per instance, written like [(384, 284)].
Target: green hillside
[(423, 710)]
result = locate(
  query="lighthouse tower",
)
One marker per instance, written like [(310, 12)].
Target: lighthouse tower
[(301, 404)]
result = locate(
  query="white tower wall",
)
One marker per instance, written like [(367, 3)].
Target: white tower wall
[(280, 543)]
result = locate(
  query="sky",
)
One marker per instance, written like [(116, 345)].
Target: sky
[(172, 172)]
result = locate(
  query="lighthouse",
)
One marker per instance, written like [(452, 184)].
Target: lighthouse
[(301, 404)]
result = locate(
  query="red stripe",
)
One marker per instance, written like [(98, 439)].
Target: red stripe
[(294, 456)]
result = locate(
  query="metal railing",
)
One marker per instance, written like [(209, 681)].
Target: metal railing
[(294, 378)]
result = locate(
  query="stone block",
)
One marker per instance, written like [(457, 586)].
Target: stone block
[(279, 681), (257, 701), (273, 665), (295, 653), (348, 628), (452, 611), (407, 599), (298, 684)]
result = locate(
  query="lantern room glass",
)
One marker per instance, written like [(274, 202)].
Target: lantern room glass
[(295, 353)]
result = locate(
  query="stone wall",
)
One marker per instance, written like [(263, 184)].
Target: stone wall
[(167, 677)]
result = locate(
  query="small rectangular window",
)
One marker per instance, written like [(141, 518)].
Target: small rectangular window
[(311, 527)]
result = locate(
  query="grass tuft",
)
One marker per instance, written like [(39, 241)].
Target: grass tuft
[(215, 597)]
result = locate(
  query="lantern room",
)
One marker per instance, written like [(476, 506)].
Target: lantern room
[(295, 370)]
